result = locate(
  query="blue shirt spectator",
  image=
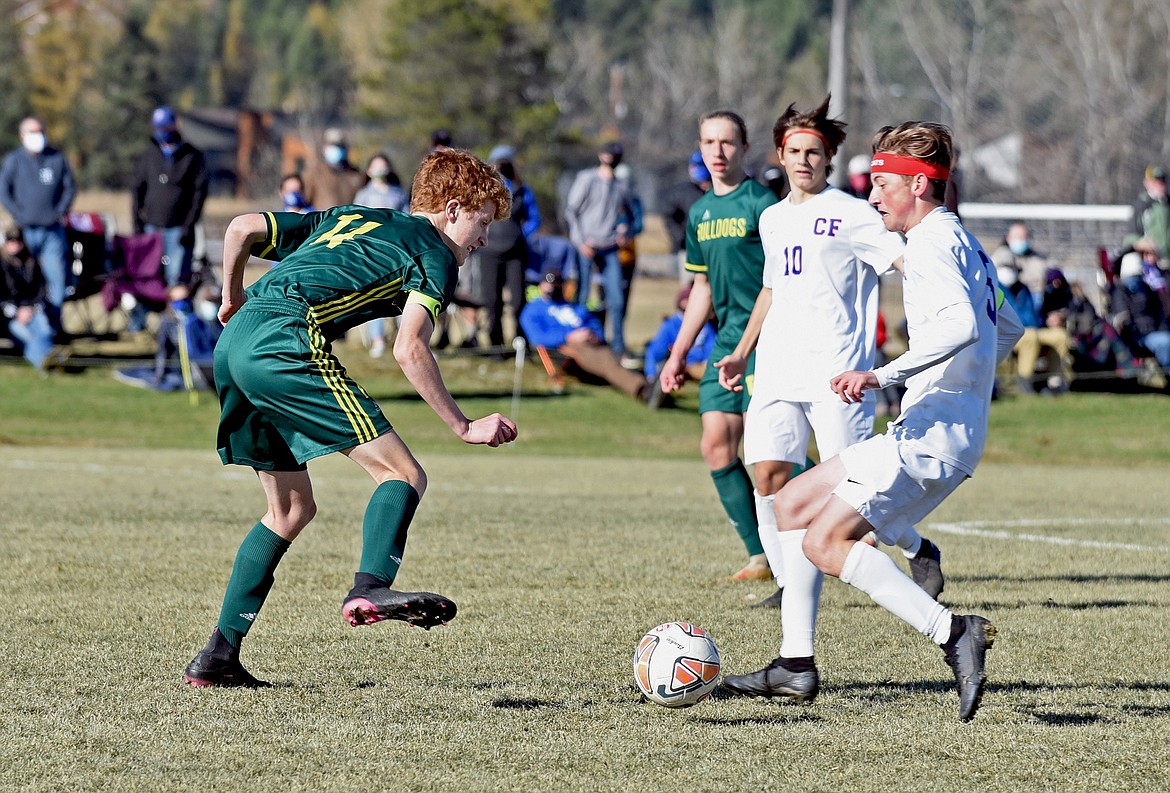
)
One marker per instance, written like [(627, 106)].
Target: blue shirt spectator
[(658, 350)]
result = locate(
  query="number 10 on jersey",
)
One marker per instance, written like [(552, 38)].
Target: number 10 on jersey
[(793, 260)]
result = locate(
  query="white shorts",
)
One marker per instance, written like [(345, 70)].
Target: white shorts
[(780, 430), (894, 483)]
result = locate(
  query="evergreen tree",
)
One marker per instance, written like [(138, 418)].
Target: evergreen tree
[(113, 126), (14, 85)]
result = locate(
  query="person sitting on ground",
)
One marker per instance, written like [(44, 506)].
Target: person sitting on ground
[(1040, 330), (658, 349), (22, 299), (1096, 345), (1136, 312), (553, 322), (186, 335)]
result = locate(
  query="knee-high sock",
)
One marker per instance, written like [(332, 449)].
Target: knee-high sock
[(251, 581), (770, 536), (878, 576), (802, 597), (735, 493), (384, 528)]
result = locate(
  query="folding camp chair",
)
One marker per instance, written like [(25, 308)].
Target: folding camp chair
[(137, 272)]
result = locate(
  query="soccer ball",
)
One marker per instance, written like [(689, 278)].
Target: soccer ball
[(676, 665)]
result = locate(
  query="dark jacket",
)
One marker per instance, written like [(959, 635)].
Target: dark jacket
[(36, 189), (678, 205), (1141, 307), (169, 191), (21, 283)]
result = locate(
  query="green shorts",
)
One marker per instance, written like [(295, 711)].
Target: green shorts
[(714, 397), (284, 397)]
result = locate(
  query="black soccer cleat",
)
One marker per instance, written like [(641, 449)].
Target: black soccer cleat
[(775, 680), (772, 601), (365, 605), (966, 651), (207, 670), (926, 568)]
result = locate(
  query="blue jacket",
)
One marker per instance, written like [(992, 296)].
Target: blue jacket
[(658, 350), (547, 323), (36, 189), (1024, 304), (552, 254)]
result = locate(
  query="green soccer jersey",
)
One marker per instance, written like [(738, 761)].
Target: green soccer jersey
[(723, 243), (351, 264)]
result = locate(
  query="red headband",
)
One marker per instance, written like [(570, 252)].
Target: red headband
[(907, 166), (805, 131)]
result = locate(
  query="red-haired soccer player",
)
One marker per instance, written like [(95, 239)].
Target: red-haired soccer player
[(286, 399)]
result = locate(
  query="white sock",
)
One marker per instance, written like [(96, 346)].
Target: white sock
[(878, 576), (802, 597), (770, 535)]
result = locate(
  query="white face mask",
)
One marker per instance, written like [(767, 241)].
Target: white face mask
[(34, 142), (1006, 275), (208, 312)]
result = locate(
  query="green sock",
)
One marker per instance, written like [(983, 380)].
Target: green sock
[(735, 492), (384, 529), (252, 577)]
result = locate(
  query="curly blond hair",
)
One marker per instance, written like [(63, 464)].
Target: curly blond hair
[(459, 175)]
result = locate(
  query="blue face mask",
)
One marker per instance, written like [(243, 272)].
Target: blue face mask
[(334, 154), (294, 199), (1018, 247), (167, 138)]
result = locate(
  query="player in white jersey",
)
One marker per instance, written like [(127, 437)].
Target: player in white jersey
[(815, 317), (959, 330)]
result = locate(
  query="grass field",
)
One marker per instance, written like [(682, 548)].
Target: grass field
[(118, 527)]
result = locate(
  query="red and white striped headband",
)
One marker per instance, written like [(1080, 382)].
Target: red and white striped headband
[(886, 162)]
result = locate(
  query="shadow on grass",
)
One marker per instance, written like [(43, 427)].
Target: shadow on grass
[(525, 703), (888, 692), (1090, 605), (1075, 578), (791, 714), (1069, 719)]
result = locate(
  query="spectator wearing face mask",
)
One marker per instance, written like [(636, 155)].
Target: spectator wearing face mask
[(1016, 252), (292, 195), (170, 187), (37, 189), (332, 180), (384, 191), (384, 188)]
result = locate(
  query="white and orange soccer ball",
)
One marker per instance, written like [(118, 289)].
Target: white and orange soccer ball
[(676, 665)]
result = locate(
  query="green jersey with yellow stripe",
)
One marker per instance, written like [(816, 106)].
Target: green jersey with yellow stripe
[(723, 243), (351, 264)]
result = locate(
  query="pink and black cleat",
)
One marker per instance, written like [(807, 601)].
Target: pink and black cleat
[(365, 605)]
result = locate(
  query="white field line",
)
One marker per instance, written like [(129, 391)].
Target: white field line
[(976, 528)]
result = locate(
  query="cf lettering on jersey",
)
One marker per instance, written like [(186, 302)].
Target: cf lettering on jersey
[(826, 227)]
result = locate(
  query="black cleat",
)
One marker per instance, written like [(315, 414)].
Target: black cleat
[(207, 670), (966, 651), (775, 680), (926, 568), (365, 605), (772, 601)]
